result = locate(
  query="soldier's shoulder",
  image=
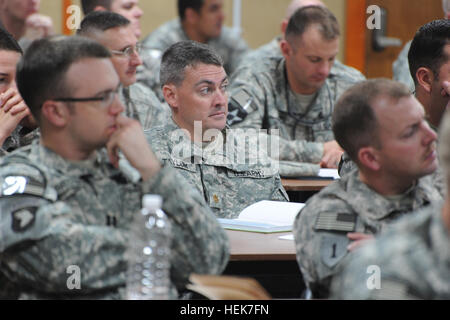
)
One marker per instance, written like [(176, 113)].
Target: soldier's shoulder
[(344, 72), (163, 36)]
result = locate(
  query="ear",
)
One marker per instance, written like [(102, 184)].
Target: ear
[(286, 48), (368, 157), (55, 113), (425, 78), (171, 96)]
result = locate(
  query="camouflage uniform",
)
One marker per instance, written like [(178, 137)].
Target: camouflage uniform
[(413, 257), (143, 105), (79, 213), (263, 92), (400, 68), (229, 45), (348, 205), (20, 137), (272, 50), (228, 185)]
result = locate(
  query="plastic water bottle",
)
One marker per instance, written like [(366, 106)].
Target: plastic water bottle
[(148, 254)]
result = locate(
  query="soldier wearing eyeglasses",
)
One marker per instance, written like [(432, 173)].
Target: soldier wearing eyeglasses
[(116, 33), (65, 203)]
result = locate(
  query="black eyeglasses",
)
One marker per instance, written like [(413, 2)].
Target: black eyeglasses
[(105, 100), (128, 51)]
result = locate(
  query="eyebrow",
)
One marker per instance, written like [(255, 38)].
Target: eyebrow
[(107, 90), (210, 82)]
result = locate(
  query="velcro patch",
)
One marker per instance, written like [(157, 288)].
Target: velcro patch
[(334, 221), (16, 185), (23, 219), (333, 248), (243, 99)]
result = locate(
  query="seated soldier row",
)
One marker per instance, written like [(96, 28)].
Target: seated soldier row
[(195, 87)]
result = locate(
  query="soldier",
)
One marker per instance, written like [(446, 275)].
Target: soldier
[(409, 261), (17, 126), (22, 20), (201, 21), (128, 8), (65, 201), (400, 67), (296, 93), (195, 86), (382, 127), (429, 59), (272, 49), (116, 33)]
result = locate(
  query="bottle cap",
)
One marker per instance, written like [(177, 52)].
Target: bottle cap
[(152, 201)]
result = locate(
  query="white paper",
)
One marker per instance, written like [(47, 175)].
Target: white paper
[(329, 173), (273, 212), (287, 237)]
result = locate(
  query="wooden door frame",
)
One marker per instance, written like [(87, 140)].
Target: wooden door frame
[(355, 43)]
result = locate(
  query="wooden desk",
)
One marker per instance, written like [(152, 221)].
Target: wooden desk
[(305, 185), (252, 246), (267, 259)]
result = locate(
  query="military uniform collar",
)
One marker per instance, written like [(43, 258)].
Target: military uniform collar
[(366, 201), (282, 84), (54, 161)]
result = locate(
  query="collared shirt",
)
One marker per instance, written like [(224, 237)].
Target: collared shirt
[(81, 214), (229, 45), (347, 205), (143, 105), (227, 177), (264, 92), (400, 68), (412, 259)]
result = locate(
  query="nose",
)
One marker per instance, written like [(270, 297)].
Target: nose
[(430, 134), (116, 106), (221, 98), (138, 12), (135, 59)]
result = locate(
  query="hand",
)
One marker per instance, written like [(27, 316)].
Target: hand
[(359, 239), (38, 26), (332, 154), (12, 110), (129, 138)]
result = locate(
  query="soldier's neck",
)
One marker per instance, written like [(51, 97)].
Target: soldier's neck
[(192, 34), (14, 26), (297, 87), (65, 147), (384, 185)]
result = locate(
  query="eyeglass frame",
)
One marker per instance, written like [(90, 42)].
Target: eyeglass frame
[(113, 94), (136, 49)]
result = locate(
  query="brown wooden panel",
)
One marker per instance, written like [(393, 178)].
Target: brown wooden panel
[(404, 17)]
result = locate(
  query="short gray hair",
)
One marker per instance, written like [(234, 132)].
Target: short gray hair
[(185, 54)]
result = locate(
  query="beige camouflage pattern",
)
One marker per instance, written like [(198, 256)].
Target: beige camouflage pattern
[(264, 92), (413, 257), (81, 215), (142, 104), (400, 68), (229, 45), (227, 185), (347, 205)]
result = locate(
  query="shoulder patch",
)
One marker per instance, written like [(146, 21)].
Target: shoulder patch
[(239, 107), (19, 184), (333, 248), (333, 221), (23, 219)]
